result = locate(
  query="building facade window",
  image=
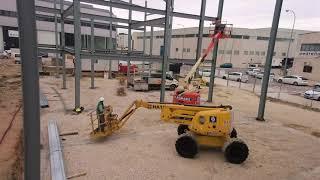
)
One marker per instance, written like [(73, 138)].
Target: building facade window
[(283, 54), (246, 52), (257, 53), (184, 50), (221, 51), (251, 52), (236, 52), (188, 49), (177, 49), (245, 37), (307, 69), (310, 47), (262, 38), (236, 36), (263, 53), (229, 52)]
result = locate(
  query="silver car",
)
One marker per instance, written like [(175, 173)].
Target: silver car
[(312, 94)]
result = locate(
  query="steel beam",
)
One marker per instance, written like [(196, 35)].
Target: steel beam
[(110, 45), (56, 157), (144, 36), (68, 11), (63, 54), (267, 67), (92, 52), (166, 49), (56, 38), (159, 22), (30, 88), (215, 53), (133, 7), (200, 32), (77, 50), (129, 40), (151, 40)]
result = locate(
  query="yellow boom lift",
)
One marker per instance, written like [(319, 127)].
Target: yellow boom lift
[(198, 126)]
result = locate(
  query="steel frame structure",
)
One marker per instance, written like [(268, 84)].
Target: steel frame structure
[(28, 44)]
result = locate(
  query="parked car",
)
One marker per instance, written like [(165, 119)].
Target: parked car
[(253, 71), (312, 94), (317, 85), (236, 76), (260, 75), (205, 72), (294, 80), (226, 65)]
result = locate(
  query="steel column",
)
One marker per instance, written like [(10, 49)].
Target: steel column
[(129, 41), (77, 50), (215, 52), (151, 45), (30, 88), (200, 32), (63, 44), (267, 67), (56, 37), (110, 45), (166, 48), (92, 52), (144, 34)]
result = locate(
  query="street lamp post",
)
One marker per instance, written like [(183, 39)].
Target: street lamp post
[(294, 21), (182, 41)]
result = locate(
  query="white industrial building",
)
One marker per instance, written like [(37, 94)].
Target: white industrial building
[(307, 59), (245, 46), (9, 36)]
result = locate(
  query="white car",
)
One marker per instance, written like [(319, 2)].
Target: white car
[(260, 75), (294, 80), (312, 94), (253, 72), (236, 76), (205, 72)]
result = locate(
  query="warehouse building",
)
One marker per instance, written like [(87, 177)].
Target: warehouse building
[(307, 60), (9, 36), (245, 46)]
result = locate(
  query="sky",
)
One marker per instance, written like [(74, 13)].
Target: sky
[(240, 13)]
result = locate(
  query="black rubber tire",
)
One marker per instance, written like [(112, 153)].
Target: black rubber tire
[(172, 87), (224, 77), (182, 128), (295, 83), (280, 81), (186, 146), (233, 133), (235, 151)]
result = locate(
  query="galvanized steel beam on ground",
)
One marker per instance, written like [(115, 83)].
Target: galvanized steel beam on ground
[(56, 158)]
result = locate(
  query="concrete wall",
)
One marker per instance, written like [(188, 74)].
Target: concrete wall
[(311, 58), (258, 47)]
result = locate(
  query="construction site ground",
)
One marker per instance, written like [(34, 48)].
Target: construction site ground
[(10, 120), (285, 146)]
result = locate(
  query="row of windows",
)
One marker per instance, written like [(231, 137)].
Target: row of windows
[(51, 19), (207, 35), (251, 53), (310, 47)]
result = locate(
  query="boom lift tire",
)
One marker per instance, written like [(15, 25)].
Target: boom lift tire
[(186, 146), (182, 128), (235, 151)]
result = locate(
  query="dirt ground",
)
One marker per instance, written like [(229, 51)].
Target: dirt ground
[(285, 146), (10, 102)]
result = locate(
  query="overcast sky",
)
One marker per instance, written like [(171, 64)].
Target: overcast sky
[(240, 13)]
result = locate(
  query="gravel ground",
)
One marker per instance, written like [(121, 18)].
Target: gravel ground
[(286, 146)]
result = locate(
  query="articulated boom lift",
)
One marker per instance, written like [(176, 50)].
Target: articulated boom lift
[(198, 125), (191, 95)]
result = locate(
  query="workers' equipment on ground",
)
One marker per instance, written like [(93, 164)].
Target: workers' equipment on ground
[(198, 125), (78, 110), (121, 91), (221, 31)]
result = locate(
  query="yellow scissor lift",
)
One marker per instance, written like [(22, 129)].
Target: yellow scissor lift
[(198, 125)]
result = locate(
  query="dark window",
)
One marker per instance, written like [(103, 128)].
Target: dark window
[(307, 69), (236, 36), (310, 47), (205, 35), (177, 49), (190, 35), (262, 38), (245, 37)]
